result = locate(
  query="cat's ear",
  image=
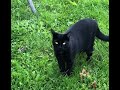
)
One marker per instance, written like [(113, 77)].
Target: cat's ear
[(66, 36), (53, 33)]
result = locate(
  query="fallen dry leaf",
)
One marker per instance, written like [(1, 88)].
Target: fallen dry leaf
[(83, 74), (94, 85)]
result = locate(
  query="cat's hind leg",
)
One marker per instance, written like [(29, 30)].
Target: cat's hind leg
[(89, 54), (90, 48)]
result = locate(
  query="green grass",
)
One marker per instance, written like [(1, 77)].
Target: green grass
[(33, 64)]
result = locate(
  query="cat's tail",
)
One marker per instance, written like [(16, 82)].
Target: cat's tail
[(101, 36)]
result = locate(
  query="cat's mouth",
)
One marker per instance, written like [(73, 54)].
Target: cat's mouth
[(61, 52)]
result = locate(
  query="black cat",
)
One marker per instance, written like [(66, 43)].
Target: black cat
[(79, 38)]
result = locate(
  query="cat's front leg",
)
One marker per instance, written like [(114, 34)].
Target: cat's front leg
[(69, 65), (61, 64), (89, 54)]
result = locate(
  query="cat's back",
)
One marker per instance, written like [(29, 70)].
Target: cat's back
[(82, 25), (79, 33)]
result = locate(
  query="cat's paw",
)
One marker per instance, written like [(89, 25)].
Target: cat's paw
[(64, 73), (68, 72)]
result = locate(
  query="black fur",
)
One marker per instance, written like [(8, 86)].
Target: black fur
[(79, 38)]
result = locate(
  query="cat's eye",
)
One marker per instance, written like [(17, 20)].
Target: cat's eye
[(64, 43), (56, 42)]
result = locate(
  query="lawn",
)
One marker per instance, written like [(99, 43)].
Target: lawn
[(33, 64)]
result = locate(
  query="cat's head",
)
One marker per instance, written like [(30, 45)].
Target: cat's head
[(60, 42)]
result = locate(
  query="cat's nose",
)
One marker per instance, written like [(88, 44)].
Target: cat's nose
[(60, 51), (60, 47)]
